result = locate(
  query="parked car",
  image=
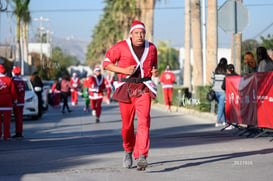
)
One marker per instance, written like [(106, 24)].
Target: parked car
[(31, 101)]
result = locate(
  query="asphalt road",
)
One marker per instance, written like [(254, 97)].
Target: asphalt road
[(185, 145)]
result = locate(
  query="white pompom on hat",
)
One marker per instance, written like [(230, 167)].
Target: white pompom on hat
[(136, 25)]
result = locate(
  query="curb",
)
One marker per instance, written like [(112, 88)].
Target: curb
[(211, 117)]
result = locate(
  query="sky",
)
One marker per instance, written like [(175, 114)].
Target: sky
[(77, 19)]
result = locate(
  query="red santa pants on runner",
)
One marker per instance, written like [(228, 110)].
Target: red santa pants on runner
[(6, 123), (96, 105), (140, 142), (74, 96), (168, 93), (18, 115)]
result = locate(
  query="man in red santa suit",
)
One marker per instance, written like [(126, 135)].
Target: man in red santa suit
[(96, 87), (75, 81), (167, 78), (18, 108), (8, 97), (135, 61)]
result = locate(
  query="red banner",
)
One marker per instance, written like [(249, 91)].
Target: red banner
[(249, 99)]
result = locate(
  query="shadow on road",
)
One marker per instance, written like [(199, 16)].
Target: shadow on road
[(53, 146), (208, 159)]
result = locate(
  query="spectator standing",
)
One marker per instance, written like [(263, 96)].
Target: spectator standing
[(75, 81), (38, 89), (250, 65), (167, 78), (18, 108), (8, 97), (97, 85), (265, 64), (135, 61), (66, 86), (218, 79)]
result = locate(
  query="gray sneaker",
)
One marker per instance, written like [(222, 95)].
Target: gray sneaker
[(142, 163), (127, 160)]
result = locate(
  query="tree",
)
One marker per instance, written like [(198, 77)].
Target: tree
[(212, 40), (147, 16), (167, 56), (26, 20), (22, 14), (60, 62), (196, 43), (114, 25), (187, 61), (267, 41)]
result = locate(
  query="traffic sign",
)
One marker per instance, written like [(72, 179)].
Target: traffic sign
[(233, 16)]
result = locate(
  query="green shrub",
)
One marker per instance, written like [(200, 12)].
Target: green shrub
[(182, 97)]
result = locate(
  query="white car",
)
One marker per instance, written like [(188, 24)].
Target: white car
[(31, 101)]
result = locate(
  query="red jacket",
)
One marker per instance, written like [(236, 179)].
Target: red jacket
[(7, 93), (20, 90), (75, 81), (123, 54), (96, 87), (167, 78)]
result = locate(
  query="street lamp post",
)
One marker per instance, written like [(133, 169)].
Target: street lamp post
[(41, 28)]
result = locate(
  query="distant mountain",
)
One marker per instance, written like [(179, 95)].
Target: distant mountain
[(72, 47)]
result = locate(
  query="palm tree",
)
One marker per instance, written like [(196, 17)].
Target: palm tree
[(113, 27), (147, 16), (196, 43), (212, 39), (115, 23), (187, 61), (26, 20), (22, 14), (167, 56)]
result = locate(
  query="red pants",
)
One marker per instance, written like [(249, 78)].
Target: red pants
[(140, 142), (96, 105), (74, 97), (6, 123), (168, 93), (18, 115)]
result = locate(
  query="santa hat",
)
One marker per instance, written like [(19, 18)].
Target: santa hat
[(137, 24), (16, 70), (96, 69), (2, 69)]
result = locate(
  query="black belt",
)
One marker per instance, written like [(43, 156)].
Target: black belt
[(135, 80)]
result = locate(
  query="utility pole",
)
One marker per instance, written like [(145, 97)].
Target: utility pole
[(204, 41), (237, 47), (41, 28)]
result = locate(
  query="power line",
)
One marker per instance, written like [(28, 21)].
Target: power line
[(265, 29), (95, 10)]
